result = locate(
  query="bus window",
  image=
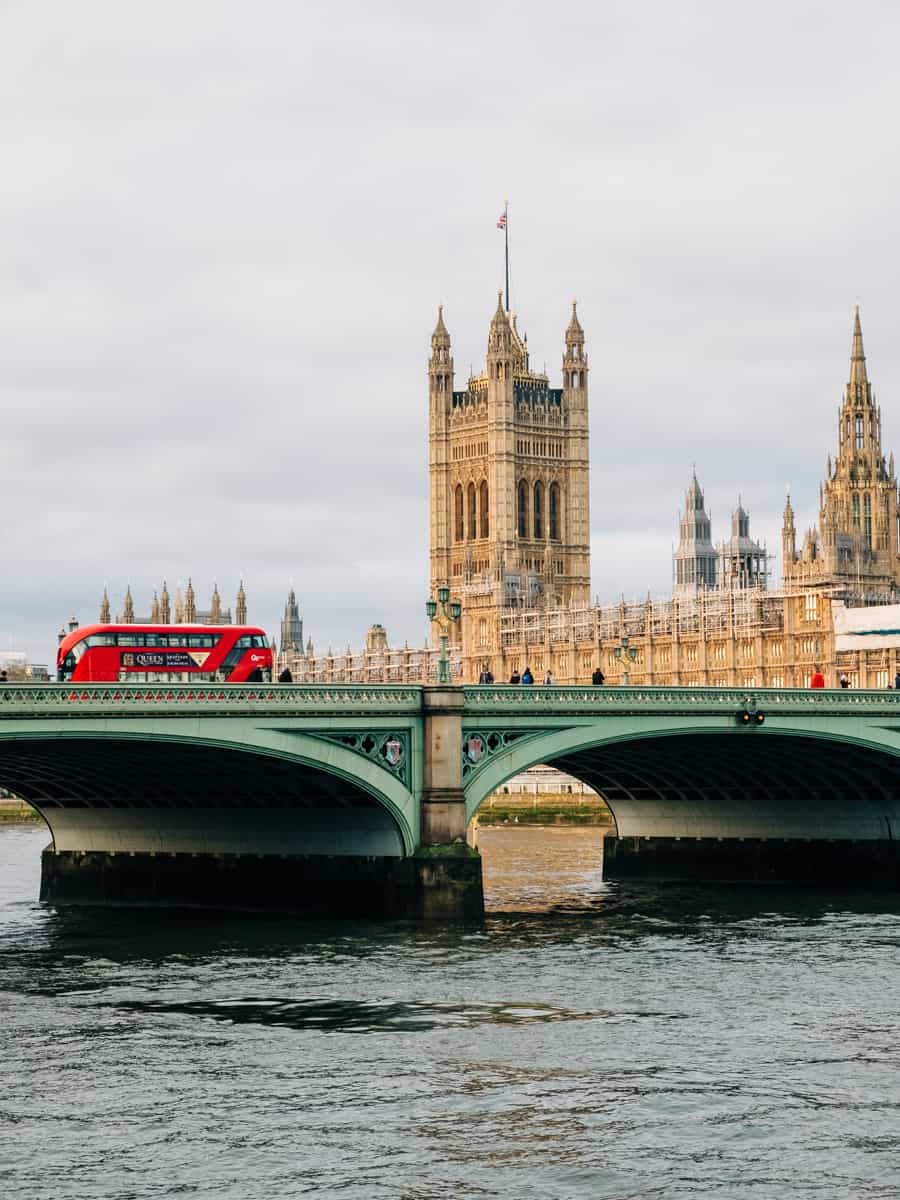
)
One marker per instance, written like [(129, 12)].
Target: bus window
[(157, 639), (131, 639), (202, 640)]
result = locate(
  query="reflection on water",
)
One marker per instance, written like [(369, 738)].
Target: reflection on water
[(589, 1040), (359, 1016), (531, 868)]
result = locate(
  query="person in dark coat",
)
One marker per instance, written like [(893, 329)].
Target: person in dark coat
[(514, 678), (486, 676), (597, 678), (255, 676), (285, 676), (527, 677)]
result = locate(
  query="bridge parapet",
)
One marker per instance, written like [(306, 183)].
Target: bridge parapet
[(225, 699), (619, 701)]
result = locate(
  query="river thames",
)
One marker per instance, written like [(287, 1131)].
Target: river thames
[(590, 1040)]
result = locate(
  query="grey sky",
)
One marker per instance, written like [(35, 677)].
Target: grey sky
[(226, 228)]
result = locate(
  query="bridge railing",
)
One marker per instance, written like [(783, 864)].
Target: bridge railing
[(598, 700), (57, 699), (68, 699)]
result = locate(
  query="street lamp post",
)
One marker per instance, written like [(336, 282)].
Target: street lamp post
[(625, 654), (450, 611)]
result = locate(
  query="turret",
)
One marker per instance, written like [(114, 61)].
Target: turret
[(179, 607), (104, 608), (575, 363), (215, 607), (788, 536), (500, 343), (859, 423), (440, 365), (240, 611), (154, 609), (190, 604), (128, 611), (165, 610)]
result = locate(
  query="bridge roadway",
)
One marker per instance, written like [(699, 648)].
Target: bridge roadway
[(356, 798)]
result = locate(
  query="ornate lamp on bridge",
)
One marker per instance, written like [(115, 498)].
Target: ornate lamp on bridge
[(450, 611), (625, 654)]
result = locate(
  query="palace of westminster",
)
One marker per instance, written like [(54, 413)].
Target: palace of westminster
[(510, 536)]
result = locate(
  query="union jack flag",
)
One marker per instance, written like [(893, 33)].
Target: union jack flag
[(501, 223)]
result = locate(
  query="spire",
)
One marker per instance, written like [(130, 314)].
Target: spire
[(788, 511), (500, 337), (165, 611), (440, 337), (190, 604), (154, 609), (128, 612), (215, 607), (574, 333), (858, 375), (241, 606), (104, 608), (500, 319)]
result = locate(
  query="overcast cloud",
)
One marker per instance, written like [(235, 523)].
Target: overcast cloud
[(226, 229)]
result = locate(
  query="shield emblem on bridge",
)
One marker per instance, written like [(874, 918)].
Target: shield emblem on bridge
[(392, 751), (474, 748)]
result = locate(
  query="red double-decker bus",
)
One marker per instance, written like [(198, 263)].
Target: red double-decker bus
[(165, 653)]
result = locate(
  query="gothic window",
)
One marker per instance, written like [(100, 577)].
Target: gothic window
[(471, 531), (458, 531), (522, 509), (554, 512), (856, 512), (867, 511), (485, 516), (538, 510), (859, 433)]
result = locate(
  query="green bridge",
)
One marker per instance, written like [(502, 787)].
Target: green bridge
[(357, 798)]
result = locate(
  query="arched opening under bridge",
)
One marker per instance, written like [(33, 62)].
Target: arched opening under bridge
[(739, 804), (178, 822), (115, 794)]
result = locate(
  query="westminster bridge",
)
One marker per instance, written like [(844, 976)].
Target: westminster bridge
[(356, 798)]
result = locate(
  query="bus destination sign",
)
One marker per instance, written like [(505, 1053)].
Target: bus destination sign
[(179, 660)]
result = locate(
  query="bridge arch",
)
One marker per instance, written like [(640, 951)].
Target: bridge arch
[(668, 777), (167, 788)]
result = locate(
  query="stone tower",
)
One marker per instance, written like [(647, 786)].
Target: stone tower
[(743, 563), (855, 547), (694, 562), (291, 627), (509, 468)]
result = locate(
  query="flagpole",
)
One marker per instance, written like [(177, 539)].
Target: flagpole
[(506, 241)]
